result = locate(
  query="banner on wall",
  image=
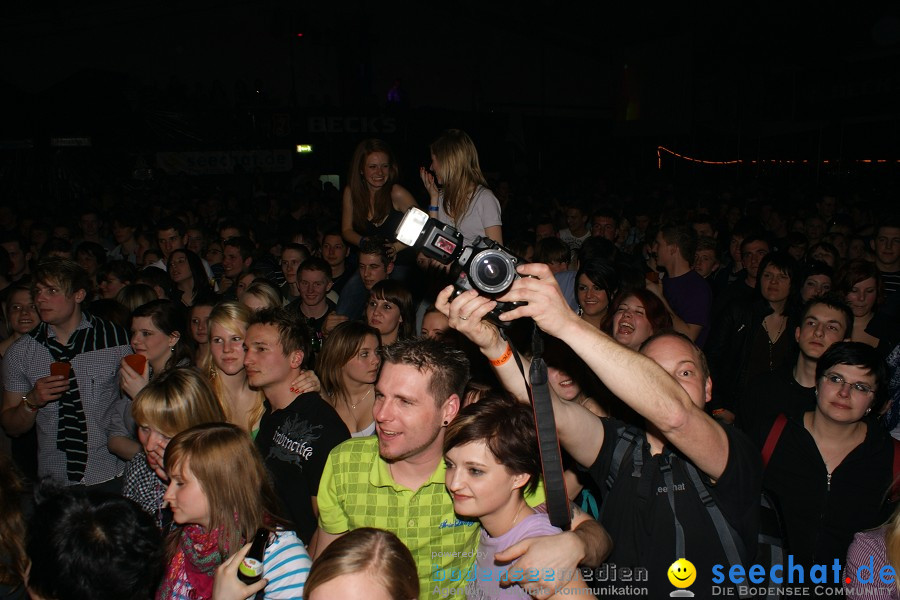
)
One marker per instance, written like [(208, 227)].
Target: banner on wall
[(216, 162)]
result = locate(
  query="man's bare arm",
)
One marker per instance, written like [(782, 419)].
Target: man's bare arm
[(580, 433), (321, 539), (632, 377)]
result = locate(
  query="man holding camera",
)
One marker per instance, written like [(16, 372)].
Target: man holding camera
[(659, 481)]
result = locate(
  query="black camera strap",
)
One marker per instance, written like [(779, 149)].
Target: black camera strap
[(548, 442)]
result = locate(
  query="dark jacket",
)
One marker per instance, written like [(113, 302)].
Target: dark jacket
[(728, 348)]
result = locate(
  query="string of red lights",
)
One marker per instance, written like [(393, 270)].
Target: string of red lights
[(770, 161)]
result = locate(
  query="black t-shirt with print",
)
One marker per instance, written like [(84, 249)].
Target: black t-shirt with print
[(294, 444)]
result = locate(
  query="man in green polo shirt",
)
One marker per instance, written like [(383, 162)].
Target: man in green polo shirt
[(395, 481)]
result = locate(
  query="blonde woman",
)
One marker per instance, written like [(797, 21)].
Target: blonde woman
[(457, 189), (174, 401), (261, 294), (225, 367)]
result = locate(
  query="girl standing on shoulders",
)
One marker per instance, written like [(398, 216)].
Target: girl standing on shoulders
[(458, 190), (374, 203)]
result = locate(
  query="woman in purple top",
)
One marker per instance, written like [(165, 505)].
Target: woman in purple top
[(492, 458)]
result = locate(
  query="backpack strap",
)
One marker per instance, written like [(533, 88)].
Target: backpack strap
[(627, 437), (727, 535), (666, 467), (775, 435)]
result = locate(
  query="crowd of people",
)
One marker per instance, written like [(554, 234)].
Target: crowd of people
[(176, 381)]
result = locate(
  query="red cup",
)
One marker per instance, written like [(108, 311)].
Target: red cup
[(136, 362), (60, 368)]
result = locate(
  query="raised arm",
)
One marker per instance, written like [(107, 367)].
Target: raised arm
[(580, 433), (634, 378)]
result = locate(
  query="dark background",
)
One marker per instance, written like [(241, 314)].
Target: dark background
[(558, 94)]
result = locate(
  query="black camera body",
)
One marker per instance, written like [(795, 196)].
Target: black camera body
[(485, 266)]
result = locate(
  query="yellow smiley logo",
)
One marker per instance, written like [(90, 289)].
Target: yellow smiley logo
[(682, 573)]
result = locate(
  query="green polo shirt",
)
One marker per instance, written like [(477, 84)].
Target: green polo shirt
[(357, 490)]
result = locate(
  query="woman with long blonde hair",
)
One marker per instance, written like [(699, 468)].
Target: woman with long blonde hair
[(457, 189), (225, 366), (220, 496)]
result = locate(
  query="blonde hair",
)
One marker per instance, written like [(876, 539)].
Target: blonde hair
[(232, 316), (377, 553), (265, 291), (175, 400), (460, 171), (231, 474)]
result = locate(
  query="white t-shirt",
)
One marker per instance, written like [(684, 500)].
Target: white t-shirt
[(484, 212)]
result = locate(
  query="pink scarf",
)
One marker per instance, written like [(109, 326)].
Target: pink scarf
[(194, 565)]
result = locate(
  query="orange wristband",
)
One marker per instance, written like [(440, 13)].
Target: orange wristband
[(503, 358)]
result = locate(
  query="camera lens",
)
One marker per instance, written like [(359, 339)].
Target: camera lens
[(492, 272)]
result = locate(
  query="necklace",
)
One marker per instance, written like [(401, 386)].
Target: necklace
[(772, 341), (516, 518), (353, 406)]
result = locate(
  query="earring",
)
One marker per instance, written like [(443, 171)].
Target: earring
[(868, 410), (446, 423), (171, 348)]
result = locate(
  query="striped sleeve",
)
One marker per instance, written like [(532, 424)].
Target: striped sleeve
[(286, 565), (867, 546)]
